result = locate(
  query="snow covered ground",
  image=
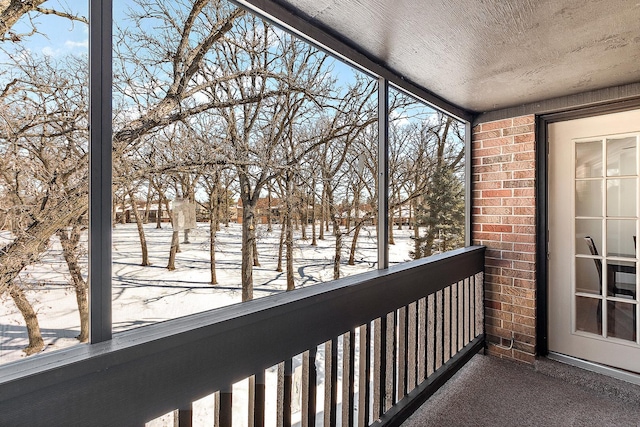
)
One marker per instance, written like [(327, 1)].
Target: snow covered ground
[(146, 295)]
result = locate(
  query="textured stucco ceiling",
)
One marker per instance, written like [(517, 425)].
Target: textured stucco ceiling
[(488, 54)]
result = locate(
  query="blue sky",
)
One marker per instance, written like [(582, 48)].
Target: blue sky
[(56, 36)]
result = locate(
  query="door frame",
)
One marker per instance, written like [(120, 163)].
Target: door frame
[(542, 211)]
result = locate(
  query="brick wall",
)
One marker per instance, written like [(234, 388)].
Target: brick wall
[(503, 219)]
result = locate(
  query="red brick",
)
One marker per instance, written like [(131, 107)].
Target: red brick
[(524, 229), (494, 262), (523, 265), (503, 158), (488, 134), (523, 183), (522, 302), (526, 155), (518, 130), (496, 176), (524, 120), (526, 137), (488, 236), (524, 320), (529, 358), (487, 168), (498, 124), (524, 283), (487, 202), (486, 185), (524, 248), (497, 228), (493, 151), (519, 292), (496, 142), (493, 304), (520, 238), (497, 193), (519, 274), (497, 211), (524, 211), (527, 220), (519, 201), (519, 256)]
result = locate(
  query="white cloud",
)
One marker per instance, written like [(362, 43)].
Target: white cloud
[(70, 44)]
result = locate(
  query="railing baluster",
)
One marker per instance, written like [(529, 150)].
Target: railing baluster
[(402, 347), (470, 316), (224, 400), (453, 319), (185, 416), (412, 330), (392, 366), (348, 377), (330, 382), (309, 388), (379, 366), (446, 353), (461, 318), (439, 329), (364, 390), (431, 335), (257, 399), (421, 339), (286, 395)]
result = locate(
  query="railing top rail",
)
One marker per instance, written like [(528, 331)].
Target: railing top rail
[(144, 370)]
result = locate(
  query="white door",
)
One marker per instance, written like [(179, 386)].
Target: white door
[(594, 202)]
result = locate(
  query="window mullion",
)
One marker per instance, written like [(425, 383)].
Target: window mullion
[(383, 173), (100, 164)]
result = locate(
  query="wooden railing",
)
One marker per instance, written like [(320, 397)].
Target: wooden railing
[(363, 350)]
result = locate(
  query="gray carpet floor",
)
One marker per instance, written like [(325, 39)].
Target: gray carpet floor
[(492, 392)]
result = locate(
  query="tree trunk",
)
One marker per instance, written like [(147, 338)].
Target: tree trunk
[(70, 251), (36, 343), (283, 230), (322, 217), (354, 242), (147, 208), (312, 195), (159, 211), (289, 246), (391, 241), (336, 259), (123, 218), (186, 237), (248, 244), (175, 243), (269, 227), (256, 260), (212, 243), (143, 239), (416, 239)]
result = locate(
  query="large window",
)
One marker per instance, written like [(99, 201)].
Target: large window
[(426, 180), (244, 162), (43, 179)]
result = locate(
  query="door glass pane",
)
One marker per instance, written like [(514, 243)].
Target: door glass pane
[(588, 275), (586, 228), (620, 234), (589, 159), (621, 320), (589, 198), (589, 315), (621, 279), (621, 156), (621, 197)]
